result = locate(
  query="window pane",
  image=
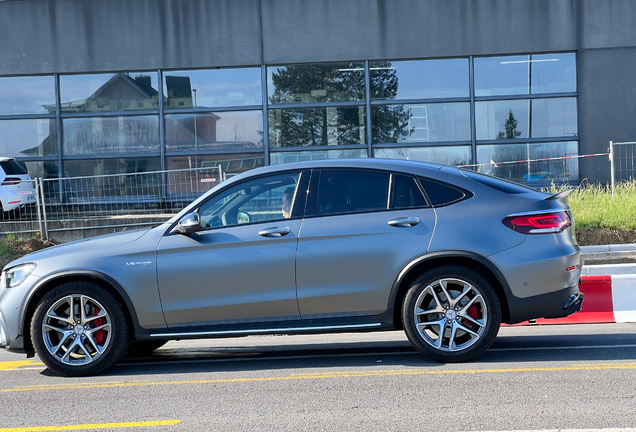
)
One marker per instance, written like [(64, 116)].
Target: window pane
[(501, 75), (439, 193), (352, 191), (28, 138), (326, 82), (553, 73), (213, 88), (554, 117), (260, 200), (230, 164), (406, 193), (413, 123), (109, 92), (446, 155), (317, 127), (97, 167), (27, 95), (535, 174), (42, 169), (300, 156), (229, 130), (422, 79), (502, 119), (102, 135)]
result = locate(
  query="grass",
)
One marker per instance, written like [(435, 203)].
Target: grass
[(594, 207)]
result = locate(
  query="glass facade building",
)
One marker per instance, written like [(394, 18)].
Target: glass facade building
[(475, 110)]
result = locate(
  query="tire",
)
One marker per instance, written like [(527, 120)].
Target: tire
[(144, 347), (75, 344), (470, 320)]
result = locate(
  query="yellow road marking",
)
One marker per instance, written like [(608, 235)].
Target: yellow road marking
[(319, 375), (12, 365), (92, 426)]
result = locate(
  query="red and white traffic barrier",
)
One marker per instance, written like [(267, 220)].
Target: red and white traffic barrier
[(608, 299)]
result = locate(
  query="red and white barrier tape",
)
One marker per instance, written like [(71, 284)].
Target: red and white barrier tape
[(535, 160)]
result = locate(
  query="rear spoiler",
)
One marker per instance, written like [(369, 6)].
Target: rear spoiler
[(559, 195)]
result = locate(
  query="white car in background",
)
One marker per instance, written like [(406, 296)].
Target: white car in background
[(16, 186)]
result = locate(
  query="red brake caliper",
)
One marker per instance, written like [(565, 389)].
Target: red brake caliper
[(474, 312), (99, 334)]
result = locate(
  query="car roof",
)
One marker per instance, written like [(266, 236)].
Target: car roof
[(369, 163), (4, 159)]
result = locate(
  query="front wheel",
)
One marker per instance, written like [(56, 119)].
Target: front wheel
[(451, 314), (79, 329)]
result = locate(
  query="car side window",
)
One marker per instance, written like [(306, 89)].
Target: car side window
[(261, 200), (441, 193), (352, 191), (406, 193)]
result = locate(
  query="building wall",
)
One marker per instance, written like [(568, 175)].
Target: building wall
[(69, 36)]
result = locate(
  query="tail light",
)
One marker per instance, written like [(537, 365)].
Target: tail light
[(11, 181), (542, 223)]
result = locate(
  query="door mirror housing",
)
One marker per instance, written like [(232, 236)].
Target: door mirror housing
[(189, 223)]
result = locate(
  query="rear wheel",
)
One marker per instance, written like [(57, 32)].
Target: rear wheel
[(451, 314), (79, 329)]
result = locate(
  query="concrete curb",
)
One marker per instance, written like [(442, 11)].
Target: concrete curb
[(609, 248)]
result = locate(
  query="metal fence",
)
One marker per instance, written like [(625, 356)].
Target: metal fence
[(622, 162), (107, 202)]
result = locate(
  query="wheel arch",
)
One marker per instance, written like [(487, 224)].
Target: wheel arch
[(426, 262), (50, 282)]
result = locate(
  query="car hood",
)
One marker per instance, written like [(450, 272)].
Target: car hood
[(83, 245)]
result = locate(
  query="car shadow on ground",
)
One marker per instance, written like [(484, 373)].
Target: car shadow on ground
[(507, 352)]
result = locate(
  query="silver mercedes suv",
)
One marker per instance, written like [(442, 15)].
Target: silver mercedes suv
[(317, 247)]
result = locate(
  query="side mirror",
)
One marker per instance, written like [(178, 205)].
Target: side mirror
[(189, 224), (243, 218)]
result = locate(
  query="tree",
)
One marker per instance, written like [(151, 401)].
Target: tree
[(334, 125), (511, 128)]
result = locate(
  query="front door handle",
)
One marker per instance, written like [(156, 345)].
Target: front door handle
[(274, 232), (404, 222)]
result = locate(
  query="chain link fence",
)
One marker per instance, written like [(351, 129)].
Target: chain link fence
[(61, 207)]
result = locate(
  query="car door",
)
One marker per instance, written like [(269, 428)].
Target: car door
[(361, 229), (241, 266)]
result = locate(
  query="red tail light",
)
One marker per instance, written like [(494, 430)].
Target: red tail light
[(11, 181), (544, 223)]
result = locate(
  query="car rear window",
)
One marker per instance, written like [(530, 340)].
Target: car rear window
[(12, 167), (497, 183), (406, 193), (441, 194), (352, 191)]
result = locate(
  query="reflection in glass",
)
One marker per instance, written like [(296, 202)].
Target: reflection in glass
[(300, 156), (539, 173), (42, 169), (102, 135), (316, 127), (421, 79), (228, 163), (553, 73), (229, 130), (27, 95), (28, 138), (502, 119), (554, 117), (324, 82), (446, 155), (109, 92), (98, 167), (213, 88), (501, 75), (413, 123)]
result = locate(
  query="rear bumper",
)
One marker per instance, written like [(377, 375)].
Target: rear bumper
[(557, 304)]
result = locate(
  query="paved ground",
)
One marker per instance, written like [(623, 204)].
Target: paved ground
[(540, 377)]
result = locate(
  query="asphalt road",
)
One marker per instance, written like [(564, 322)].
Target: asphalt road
[(533, 378)]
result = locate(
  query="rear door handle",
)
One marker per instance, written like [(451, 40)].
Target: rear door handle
[(404, 222), (274, 232)]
